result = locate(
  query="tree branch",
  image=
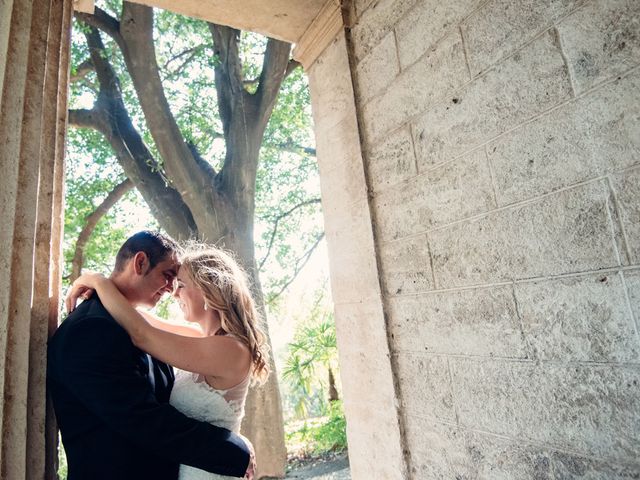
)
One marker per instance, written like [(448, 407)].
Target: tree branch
[(228, 71), (91, 221), (277, 221), (140, 57), (94, 118), (110, 117), (104, 22), (192, 52), (274, 65), (291, 66), (298, 268), (295, 148), (82, 70)]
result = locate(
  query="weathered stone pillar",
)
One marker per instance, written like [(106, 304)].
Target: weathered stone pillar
[(370, 398), (34, 62)]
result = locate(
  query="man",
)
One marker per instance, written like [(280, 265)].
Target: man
[(111, 399)]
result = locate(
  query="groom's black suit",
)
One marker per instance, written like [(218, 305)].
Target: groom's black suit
[(115, 425)]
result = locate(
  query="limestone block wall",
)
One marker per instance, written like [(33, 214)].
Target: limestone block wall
[(501, 146)]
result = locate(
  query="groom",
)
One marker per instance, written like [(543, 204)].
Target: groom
[(112, 400)]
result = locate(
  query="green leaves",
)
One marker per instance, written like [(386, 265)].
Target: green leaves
[(310, 355)]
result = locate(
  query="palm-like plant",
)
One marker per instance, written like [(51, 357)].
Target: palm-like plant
[(313, 348)]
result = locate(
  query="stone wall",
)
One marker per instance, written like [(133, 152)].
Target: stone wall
[(370, 398), (501, 147)]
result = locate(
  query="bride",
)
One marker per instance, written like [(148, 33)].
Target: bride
[(217, 358)]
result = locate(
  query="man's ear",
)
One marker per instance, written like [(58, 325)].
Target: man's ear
[(140, 263)]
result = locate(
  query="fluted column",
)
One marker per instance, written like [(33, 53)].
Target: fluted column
[(34, 64)]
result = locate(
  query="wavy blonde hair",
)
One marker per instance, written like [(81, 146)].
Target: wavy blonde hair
[(225, 287)]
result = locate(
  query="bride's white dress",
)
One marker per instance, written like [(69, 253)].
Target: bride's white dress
[(197, 399)]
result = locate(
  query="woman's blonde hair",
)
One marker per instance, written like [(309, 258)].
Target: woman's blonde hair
[(225, 288)]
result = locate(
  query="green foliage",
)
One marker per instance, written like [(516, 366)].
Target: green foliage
[(287, 176), (320, 435), (310, 355), (62, 461)]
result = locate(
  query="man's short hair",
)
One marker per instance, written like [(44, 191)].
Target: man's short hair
[(156, 246)]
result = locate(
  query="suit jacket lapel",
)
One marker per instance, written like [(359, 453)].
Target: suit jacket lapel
[(164, 380)]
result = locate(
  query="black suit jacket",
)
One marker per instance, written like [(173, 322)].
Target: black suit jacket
[(114, 423)]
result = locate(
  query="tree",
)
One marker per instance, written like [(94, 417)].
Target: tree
[(188, 194)]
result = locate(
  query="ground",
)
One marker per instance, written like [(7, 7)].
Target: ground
[(334, 468)]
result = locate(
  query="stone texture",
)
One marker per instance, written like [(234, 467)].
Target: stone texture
[(342, 180), (375, 449), (526, 84), (627, 190), (365, 366), (579, 319), (419, 87), (632, 280), (444, 451), (567, 467), (378, 70), (428, 22), (495, 458), (565, 232), (593, 136), (425, 386), (368, 391), (352, 260), (406, 266), (437, 449), (391, 161), (590, 409), (279, 19), (332, 98), (601, 41), (450, 192), (500, 27), (464, 322), (375, 22), (360, 6)]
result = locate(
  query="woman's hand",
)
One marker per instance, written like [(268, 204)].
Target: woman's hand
[(83, 287)]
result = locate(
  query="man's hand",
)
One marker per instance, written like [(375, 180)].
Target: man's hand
[(251, 468)]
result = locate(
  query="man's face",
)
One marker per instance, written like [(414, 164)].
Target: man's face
[(155, 282)]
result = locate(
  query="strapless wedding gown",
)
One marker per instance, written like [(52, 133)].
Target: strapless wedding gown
[(197, 399)]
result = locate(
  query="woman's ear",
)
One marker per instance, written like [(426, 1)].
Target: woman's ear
[(140, 263)]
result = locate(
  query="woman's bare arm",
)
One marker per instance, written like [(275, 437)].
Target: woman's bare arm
[(159, 323), (211, 356)]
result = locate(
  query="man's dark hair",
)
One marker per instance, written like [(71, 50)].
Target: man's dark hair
[(156, 245)]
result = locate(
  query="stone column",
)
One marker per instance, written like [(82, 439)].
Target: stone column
[(34, 63), (370, 398)]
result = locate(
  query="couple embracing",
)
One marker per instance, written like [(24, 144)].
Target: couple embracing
[(121, 411)]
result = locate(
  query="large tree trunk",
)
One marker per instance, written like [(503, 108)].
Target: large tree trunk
[(217, 206)]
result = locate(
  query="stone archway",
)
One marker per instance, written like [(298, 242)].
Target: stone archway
[(35, 37)]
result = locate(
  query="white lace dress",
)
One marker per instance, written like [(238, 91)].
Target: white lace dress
[(197, 399)]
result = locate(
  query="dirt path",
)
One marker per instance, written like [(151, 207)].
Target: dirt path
[(337, 469)]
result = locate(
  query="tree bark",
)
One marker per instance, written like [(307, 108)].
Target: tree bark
[(333, 391), (91, 221)]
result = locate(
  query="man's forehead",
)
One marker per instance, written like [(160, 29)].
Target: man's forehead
[(170, 264)]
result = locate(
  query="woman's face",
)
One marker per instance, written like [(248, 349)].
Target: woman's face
[(189, 297)]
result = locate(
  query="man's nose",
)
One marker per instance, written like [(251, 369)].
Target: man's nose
[(169, 286)]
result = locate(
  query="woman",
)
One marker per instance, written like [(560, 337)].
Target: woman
[(216, 361)]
